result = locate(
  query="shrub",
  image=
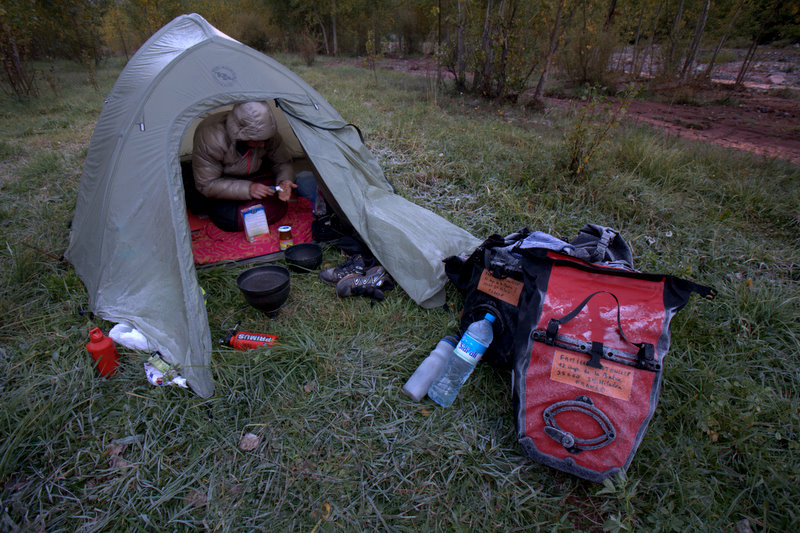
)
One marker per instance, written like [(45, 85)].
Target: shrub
[(586, 56), (308, 48)]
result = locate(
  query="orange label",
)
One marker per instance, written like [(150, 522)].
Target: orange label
[(612, 380), (507, 290)]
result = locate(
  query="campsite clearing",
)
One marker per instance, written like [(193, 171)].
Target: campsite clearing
[(340, 447)]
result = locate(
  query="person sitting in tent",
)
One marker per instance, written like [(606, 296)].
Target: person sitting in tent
[(238, 159)]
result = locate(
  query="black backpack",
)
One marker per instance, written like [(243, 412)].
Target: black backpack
[(491, 278)]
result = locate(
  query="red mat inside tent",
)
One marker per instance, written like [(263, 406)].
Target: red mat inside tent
[(212, 245)]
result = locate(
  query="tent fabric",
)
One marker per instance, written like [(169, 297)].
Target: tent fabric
[(130, 241)]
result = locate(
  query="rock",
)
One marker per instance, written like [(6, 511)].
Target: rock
[(777, 79), (249, 442), (195, 499)]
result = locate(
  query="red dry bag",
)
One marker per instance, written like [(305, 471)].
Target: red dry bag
[(590, 347)]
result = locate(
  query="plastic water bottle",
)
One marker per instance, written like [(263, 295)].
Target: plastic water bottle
[(462, 361), (430, 367)]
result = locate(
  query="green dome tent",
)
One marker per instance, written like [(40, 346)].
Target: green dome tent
[(130, 241)]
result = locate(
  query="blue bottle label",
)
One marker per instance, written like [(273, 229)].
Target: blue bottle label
[(470, 350)]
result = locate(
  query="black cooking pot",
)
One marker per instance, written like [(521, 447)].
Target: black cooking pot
[(303, 257), (265, 287)]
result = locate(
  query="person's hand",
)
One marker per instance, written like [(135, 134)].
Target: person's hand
[(259, 191), (286, 190)]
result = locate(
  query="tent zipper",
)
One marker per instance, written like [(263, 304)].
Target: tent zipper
[(313, 125)]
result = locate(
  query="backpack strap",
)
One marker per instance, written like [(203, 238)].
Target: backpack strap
[(602, 245)]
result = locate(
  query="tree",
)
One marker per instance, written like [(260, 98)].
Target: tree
[(146, 17), (459, 62), (650, 43), (77, 27), (15, 37), (493, 40), (763, 14), (48, 28), (589, 44), (56, 29), (638, 57), (670, 59), (732, 18), (555, 33), (691, 54)]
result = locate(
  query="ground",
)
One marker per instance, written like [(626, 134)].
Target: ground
[(762, 118), (749, 120)]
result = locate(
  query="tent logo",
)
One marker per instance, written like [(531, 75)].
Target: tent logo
[(224, 76)]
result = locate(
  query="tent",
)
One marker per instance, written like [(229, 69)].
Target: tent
[(130, 241)]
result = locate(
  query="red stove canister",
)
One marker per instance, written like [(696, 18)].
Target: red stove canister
[(104, 353)]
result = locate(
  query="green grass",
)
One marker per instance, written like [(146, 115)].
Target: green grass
[(341, 448)]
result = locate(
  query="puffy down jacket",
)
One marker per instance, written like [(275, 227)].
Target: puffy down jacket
[(216, 163)]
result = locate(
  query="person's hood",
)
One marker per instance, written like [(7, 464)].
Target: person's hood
[(250, 121)]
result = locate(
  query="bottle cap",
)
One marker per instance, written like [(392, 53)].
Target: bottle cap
[(489, 317), (450, 340)]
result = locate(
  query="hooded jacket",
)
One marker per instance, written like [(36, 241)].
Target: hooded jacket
[(216, 163)]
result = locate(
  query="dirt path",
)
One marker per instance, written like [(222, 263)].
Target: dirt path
[(763, 119), (750, 121), (760, 124)]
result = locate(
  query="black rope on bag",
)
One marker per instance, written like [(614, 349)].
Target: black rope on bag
[(646, 350), (313, 125)]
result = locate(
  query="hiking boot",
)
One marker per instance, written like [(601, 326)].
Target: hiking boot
[(373, 284), (354, 265)]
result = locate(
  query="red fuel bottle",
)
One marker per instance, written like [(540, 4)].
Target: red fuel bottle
[(104, 353), (248, 341)]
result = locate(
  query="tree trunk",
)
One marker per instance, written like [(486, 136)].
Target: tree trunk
[(121, 34), (583, 61), (748, 60), (376, 35), (551, 51), (491, 74), (670, 61), (691, 54), (438, 45), (324, 33), (333, 28), (18, 77), (722, 39), (460, 60), (506, 30), (480, 73), (652, 39), (612, 7), (635, 53)]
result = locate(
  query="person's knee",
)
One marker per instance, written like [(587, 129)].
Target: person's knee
[(306, 185), (225, 219)]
